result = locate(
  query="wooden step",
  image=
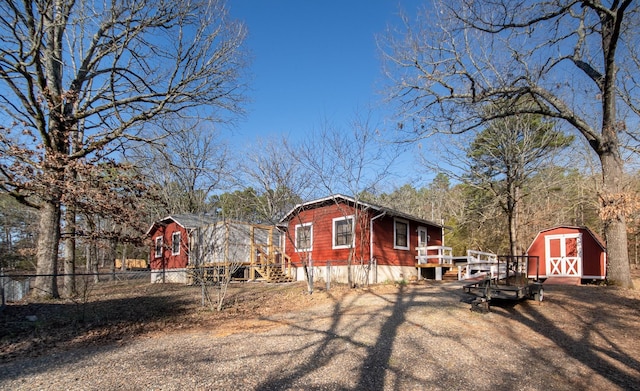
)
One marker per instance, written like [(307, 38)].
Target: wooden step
[(274, 275), (450, 275), (277, 275)]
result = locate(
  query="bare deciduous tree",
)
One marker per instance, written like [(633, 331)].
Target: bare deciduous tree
[(102, 71), (187, 165), (573, 59), (219, 250), (279, 180), (17, 233), (354, 161), (503, 158)]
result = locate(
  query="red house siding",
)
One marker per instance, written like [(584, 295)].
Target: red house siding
[(322, 250), (168, 260), (384, 239), (384, 250)]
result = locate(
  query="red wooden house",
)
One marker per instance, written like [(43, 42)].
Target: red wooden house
[(170, 248), (182, 243), (380, 242), (568, 252)]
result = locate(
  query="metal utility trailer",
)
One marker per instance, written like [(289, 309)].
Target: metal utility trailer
[(506, 279)]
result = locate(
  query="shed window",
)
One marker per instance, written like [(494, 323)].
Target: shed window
[(401, 234), (158, 247), (343, 232), (175, 243), (304, 233)]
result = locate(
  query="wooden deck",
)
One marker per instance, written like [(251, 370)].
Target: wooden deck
[(429, 265)]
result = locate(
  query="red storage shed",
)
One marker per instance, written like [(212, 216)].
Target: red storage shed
[(567, 251)]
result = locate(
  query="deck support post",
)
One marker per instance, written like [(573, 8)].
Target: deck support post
[(439, 273)]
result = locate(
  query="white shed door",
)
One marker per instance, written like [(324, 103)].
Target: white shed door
[(564, 255)]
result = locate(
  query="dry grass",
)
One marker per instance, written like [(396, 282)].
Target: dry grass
[(117, 312)]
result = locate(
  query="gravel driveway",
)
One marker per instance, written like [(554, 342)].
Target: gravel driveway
[(414, 338)]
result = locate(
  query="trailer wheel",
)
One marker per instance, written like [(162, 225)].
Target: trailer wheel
[(539, 295), (481, 305)]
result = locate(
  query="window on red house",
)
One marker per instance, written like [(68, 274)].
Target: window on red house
[(158, 247), (303, 237), (175, 243), (343, 232), (401, 234)]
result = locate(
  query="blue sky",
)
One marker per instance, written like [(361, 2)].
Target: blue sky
[(312, 61)]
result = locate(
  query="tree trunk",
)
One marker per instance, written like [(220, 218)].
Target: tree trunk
[(349, 272), (123, 265), (70, 253), (613, 196), (509, 208), (95, 262), (615, 226), (513, 247), (87, 258), (512, 215), (307, 265), (112, 254), (46, 284)]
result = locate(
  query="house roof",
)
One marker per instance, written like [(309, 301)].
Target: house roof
[(186, 220), (595, 236), (342, 198)]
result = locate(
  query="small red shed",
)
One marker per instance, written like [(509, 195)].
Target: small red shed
[(567, 251)]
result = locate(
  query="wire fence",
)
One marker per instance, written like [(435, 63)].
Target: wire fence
[(17, 288), (16, 285)]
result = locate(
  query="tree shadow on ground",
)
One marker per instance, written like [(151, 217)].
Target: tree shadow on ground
[(39, 328), (320, 355), (597, 321), (376, 362), (376, 370)]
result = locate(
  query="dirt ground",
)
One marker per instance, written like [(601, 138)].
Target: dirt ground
[(580, 337)]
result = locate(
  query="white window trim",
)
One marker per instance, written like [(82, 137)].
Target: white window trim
[(395, 238), (333, 233), (173, 239), (295, 243), (158, 244)]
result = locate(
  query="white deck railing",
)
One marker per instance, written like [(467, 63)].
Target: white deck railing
[(480, 264), (434, 254), (444, 255), (474, 264)]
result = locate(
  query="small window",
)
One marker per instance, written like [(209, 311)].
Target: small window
[(343, 232), (401, 234), (304, 234), (158, 247), (175, 243)]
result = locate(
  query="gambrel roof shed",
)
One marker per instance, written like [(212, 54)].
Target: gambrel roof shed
[(569, 251)]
